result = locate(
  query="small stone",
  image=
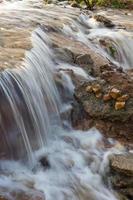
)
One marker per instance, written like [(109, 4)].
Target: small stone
[(114, 93), (89, 88), (107, 22), (44, 162), (107, 97), (122, 98), (119, 105), (96, 88), (99, 95)]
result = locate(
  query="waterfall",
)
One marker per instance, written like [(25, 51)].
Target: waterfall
[(114, 44), (41, 151), (32, 99), (74, 160)]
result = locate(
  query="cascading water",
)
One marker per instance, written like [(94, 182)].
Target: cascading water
[(115, 44), (72, 162), (32, 96)]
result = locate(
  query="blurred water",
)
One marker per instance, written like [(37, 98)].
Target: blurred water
[(32, 124), (119, 40), (76, 159)]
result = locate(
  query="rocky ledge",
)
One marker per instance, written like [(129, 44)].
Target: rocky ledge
[(107, 103), (121, 175)]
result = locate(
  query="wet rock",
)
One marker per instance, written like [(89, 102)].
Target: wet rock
[(64, 55), (107, 22), (122, 164), (25, 196), (52, 1), (44, 162), (121, 174), (18, 194), (107, 114), (48, 28), (86, 62), (128, 192), (84, 59), (120, 196), (104, 68), (75, 5), (73, 141), (77, 79), (82, 55), (69, 163), (63, 3)]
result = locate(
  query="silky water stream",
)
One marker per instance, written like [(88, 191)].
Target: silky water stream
[(116, 44), (41, 151)]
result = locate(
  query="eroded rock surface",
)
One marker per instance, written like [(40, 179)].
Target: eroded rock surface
[(97, 107), (122, 164), (121, 174), (110, 108)]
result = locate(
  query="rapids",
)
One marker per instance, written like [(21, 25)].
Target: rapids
[(120, 40), (32, 123)]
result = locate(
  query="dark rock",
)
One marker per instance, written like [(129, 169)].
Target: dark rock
[(121, 197), (45, 162), (75, 5), (107, 22), (127, 192), (104, 68), (52, 1)]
